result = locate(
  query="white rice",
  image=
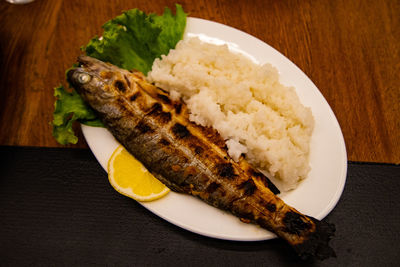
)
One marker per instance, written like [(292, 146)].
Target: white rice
[(244, 102)]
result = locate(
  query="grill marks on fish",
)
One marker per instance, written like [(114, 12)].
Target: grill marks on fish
[(143, 127), (180, 131), (226, 170), (264, 180), (158, 113), (128, 82), (295, 223), (164, 142), (134, 96), (178, 108), (198, 150), (192, 159), (120, 86), (271, 207), (164, 98), (211, 188), (248, 187)]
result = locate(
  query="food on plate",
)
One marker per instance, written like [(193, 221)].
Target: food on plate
[(130, 178), (191, 158), (244, 102)]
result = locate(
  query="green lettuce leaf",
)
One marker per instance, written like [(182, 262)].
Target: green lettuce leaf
[(132, 40), (70, 107)]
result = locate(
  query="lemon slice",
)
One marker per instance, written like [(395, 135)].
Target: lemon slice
[(130, 178)]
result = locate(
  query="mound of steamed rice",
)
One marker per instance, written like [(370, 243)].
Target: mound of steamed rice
[(244, 102)]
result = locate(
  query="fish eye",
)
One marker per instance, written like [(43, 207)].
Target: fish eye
[(84, 78)]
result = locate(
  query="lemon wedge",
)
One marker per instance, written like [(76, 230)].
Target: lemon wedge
[(130, 178)]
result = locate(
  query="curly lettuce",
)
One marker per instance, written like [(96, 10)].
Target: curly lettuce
[(132, 40), (70, 107)]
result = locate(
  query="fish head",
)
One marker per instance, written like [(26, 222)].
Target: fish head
[(101, 85), (89, 79)]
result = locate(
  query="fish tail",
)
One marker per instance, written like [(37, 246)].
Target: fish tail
[(316, 245)]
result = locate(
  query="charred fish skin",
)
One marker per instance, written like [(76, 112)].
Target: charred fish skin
[(190, 158)]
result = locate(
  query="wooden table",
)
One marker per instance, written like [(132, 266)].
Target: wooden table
[(349, 49)]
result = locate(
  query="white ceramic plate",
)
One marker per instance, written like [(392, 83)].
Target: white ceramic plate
[(316, 196)]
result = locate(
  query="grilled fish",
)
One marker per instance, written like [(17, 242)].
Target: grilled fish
[(189, 158)]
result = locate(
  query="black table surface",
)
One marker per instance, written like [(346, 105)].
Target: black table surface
[(57, 208)]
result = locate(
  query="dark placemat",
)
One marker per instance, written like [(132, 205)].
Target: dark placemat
[(57, 208)]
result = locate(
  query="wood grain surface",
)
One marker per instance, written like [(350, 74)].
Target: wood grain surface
[(349, 49)]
